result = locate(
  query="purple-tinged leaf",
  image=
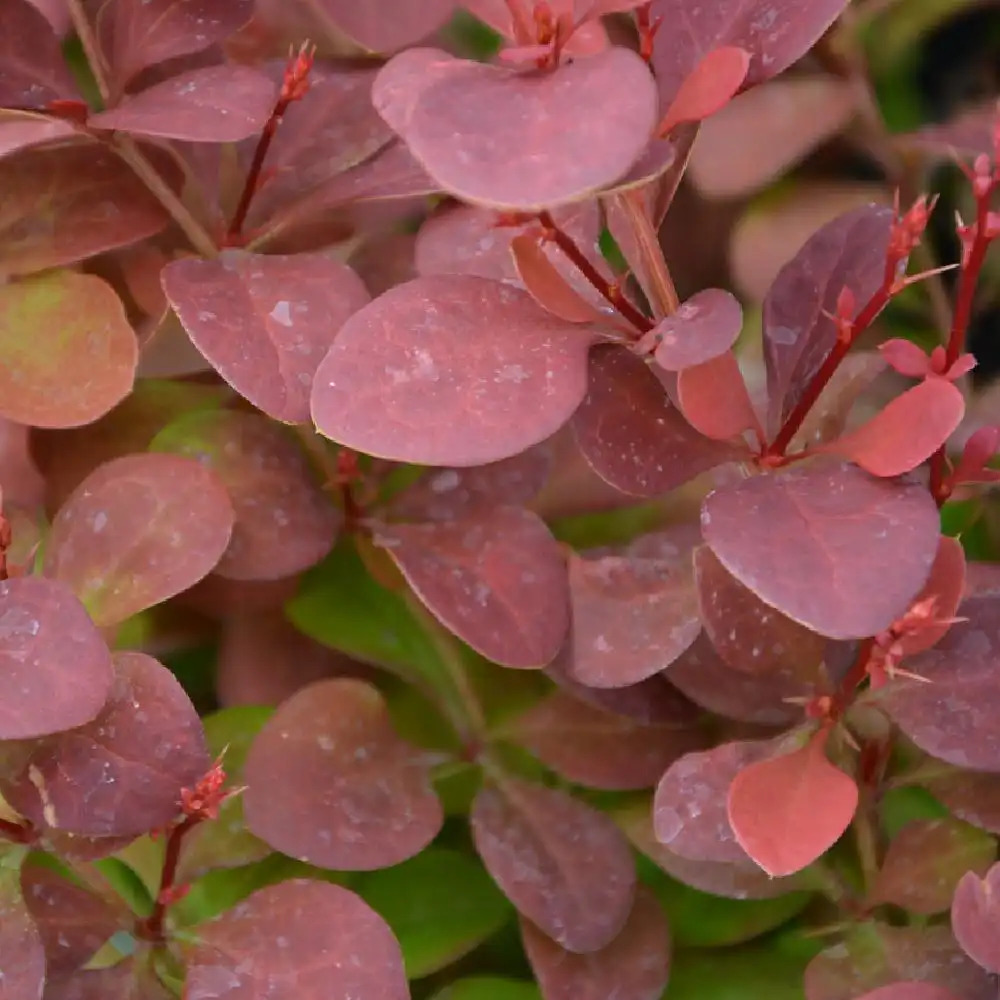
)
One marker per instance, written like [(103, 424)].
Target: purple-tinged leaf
[(632, 618), (385, 260), (632, 436), (975, 913), (297, 940), (827, 545), (22, 955), (265, 322), (329, 781), (542, 847), (634, 966), (450, 370), (714, 399), (125, 981), (32, 69), (63, 204), (122, 773), (387, 25), (284, 521), (910, 990), (53, 327), (973, 796), (72, 921), (23, 129), (775, 37), (926, 860), (969, 133), (595, 748), (137, 531), (54, 666), (494, 136), (702, 328), (215, 104), (952, 714), (702, 675), (748, 634), (134, 36), (848, 252), (447, 494), (496, 578)]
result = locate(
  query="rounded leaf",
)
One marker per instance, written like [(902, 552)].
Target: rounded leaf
[(495, 578), (543, 848), (265, 322), (53, 327), (714, 399), (137, 531), (709, 86), (703, 327), (975, 912), (54, 666), (298, 940), (329, 782), (450, 370), (829, 546), (122, 773), (910, 990)]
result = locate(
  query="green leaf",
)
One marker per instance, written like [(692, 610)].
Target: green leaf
[(127, 883), (233, 730), (440, 905), (489, 988), (900, 806)]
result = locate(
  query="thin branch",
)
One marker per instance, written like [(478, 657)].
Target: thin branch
[(662, 290), (152, 927)]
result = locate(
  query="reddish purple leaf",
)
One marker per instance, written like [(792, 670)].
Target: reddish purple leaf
[(92, 203), (926, 860), (689, 808), (702, 675), (22, 956), (54, 665), (121, 774), (774, 36), (634, 966), (215, 104), (330, 782), (385, 260), (632, 617), (284, 521), (787, 811), (450, 370), (975, 913), (52, 327), (906, 432), (24, 129), (829, 546), (714, 399), (969, 133), (265, 322), (496, 578), (72, 921), (973, 796), (542, 847), (710, 85), (447, 494), (297, 940), (632, 436), (702, 328), (954, 717), (848, 252), (137, 531), (748, 634), (387, 25), (134, 36), (910, 990), (596, 748), (495, 136), (32, 69), (125, 981)]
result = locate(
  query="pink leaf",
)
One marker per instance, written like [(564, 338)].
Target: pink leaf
[(713, 398), (32, 69), (702, 328), (946, 584), (906, 432), (495, 578), (387, 25), (215, 104), (22, 956), (709, 86), (489, 374), (829, 546), (906, 357), (265, 322), (787, 811), (975, 912), (911, 990)]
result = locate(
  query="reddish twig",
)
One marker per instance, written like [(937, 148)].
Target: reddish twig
[(15, 832), (610, 291), (293, 88)]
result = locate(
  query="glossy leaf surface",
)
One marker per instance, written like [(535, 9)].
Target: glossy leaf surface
[(137, 531), (714, 399), (542, 847), (32, 70), (703, 327), (265, 322), (829, 546), (449, 371), (331, 783)]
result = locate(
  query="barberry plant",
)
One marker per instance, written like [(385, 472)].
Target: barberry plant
[(418, 579)]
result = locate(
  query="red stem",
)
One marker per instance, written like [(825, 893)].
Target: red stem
[(854, 677), (15, 832), (253, 177), (152, 927), (611, 292)]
